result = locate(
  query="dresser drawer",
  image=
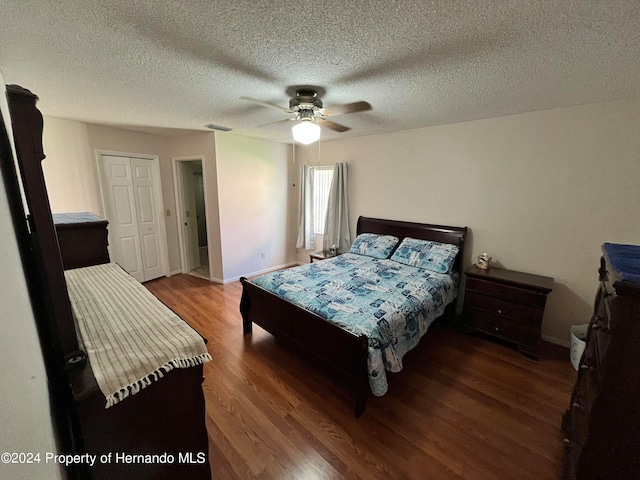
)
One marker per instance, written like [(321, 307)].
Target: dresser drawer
[(502, 308), (502, 327), (510, 292)]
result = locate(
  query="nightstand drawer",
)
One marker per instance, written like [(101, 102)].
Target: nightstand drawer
[(502, 327), (502, 308), (506, 291)]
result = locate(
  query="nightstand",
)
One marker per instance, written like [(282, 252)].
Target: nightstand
[(320, 256), (506, 304)]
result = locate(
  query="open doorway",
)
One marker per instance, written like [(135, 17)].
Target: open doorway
[(192, 216)]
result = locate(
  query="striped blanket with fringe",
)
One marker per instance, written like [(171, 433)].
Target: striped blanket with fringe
[(130, 337)]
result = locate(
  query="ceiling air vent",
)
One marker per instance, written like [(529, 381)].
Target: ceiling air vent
[(211, 126)]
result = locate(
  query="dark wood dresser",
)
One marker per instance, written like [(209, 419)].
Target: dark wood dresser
[(506, 304), (602, 425), (168, 416), (82, 238)]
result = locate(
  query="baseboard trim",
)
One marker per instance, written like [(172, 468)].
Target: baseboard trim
[(259, 272), (557, 341)]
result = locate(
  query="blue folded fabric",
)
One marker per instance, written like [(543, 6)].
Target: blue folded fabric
[(625, 259), (81, 217)]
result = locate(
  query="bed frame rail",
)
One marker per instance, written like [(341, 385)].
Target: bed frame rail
[(325, 343)]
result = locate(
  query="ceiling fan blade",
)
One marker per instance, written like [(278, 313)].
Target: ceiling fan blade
[(267, 104), (336, 127), (346, 108), (275, 123)]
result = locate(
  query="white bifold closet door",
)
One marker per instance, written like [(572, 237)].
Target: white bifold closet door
[(129, 190)]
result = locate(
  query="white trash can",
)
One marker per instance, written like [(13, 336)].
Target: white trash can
[(578, 341)]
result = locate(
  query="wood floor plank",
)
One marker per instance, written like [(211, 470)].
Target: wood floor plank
[(463, 407)]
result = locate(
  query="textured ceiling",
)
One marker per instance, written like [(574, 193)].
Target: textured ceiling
[(182, 65)]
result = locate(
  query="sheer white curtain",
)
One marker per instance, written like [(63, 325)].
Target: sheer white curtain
[(336, 225), (306, 225)]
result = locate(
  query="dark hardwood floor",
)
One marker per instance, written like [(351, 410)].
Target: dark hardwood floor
[(463, 407)]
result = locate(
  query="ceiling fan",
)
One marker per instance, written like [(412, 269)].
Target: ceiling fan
[(309, 112)]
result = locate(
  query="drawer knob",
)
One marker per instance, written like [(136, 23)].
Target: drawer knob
[(496, 328), (501, 312)]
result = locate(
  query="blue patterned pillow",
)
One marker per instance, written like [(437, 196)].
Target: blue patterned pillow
[(433, 256), (373, 245)]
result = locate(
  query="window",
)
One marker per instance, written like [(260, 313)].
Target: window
[(321, 185)]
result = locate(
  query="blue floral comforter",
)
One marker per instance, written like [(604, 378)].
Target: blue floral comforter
[(392, 303)]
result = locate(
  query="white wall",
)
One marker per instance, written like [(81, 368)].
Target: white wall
[(246, 178), (71, 176), (539, 191), (256, 205), (71, 168), (24, 398)]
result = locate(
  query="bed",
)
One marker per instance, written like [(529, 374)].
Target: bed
[(357, 314)]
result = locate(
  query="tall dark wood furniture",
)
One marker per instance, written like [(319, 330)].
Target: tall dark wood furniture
[(166, 417), (42, 263), (602, 425), (506, 304), (82, 238)]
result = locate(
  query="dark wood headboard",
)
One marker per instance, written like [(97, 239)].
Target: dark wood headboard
[(423, 231)]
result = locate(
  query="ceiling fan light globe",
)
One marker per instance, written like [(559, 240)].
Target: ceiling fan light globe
[(306, 132)]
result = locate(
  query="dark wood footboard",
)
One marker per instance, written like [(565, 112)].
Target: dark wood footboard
[(310, 334)]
